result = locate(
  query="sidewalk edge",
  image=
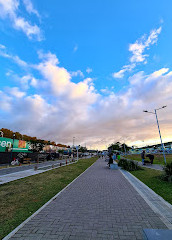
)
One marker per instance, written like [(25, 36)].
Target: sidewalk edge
[(162, 217)]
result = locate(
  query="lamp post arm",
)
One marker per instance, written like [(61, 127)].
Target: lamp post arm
[(149, 112)]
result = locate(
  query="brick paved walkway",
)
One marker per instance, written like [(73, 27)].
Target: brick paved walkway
[(100, 204)]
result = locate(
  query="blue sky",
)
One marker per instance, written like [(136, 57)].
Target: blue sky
[(86, 69)]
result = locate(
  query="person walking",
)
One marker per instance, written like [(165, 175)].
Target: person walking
[(143, 157), (110, 159)]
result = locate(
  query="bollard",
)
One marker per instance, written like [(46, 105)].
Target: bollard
[(60, 164), (52, 165), (66, 162)]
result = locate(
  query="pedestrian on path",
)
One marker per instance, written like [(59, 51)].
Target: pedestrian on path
[(143, 157), (114, 156), (110, 159)]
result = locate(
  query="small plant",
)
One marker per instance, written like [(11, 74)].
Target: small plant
[(128, 165), (167, 176)]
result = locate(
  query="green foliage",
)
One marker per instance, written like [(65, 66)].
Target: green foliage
[(118, 147), (159, 158), (167, 175), (128, 165), (82, 149)]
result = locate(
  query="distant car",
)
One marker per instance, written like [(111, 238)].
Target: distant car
[(86, 154)]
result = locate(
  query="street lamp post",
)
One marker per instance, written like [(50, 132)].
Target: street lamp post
[(12, 148), (73, 141), (155, 112), (73, 146)]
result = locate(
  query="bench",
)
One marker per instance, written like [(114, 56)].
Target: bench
[(157, 234), (26, 160)]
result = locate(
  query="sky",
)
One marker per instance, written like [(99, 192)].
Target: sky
[(86, 69)]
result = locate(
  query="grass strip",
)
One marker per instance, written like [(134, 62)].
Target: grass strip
[(151, 178), (159, 158), (21, 198)]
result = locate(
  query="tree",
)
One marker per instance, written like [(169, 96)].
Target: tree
[(118, 147), (7, 133), (82, 149)]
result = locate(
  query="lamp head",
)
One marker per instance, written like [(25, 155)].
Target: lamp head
[(145, 111), (164, 106)]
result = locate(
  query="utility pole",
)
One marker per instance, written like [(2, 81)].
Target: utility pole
[(160, 136), (12, 149), (73, 146)]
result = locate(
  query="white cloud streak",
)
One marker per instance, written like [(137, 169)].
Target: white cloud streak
[(89, 70), (77, 73), (30, 9), (137, 50), (4, 53), (75, 48), (9, 9)]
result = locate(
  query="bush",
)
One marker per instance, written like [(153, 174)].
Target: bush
[(167, 176), (129, 165)]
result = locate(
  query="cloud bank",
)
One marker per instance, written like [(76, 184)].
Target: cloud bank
[(59, 109)]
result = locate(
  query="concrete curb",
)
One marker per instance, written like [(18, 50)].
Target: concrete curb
[(161, 214), (35, 172), (40, 209)]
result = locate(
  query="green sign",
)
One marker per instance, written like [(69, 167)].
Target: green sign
[(6, 144)]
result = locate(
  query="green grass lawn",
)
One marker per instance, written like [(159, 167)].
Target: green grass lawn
[(159, 159), (21, 198), (150, 178)]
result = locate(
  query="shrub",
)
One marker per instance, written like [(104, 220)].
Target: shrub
[(129, 165), (167, 176)]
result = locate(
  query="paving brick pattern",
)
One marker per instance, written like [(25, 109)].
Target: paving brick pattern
[(101, 204)]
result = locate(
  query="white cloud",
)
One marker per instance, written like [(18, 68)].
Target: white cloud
[(5, 102), (16, 92), (75, 48), (30, 9), (30, 30), (126, 68), (34, 82), (77, 73), (2, 46), (9, 9), (137, 49), (4, 53), (89, 70), (107, 90), (29, 80), (48, 57), (60, 83)]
